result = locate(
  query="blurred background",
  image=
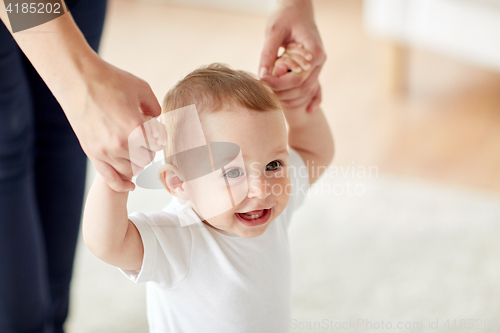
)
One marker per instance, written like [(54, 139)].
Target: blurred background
[(405, 225)]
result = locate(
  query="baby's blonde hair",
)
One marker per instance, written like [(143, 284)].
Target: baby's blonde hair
[(213, 87)]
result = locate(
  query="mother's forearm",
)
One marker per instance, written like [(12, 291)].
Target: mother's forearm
[(57, 50)]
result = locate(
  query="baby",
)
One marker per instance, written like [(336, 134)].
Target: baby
[(222, 271)]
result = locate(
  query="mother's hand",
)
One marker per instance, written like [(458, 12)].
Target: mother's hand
[(102, 103), (293, 21), (104, 109)]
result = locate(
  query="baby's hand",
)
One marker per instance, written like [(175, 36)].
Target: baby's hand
[(295, 59), (144, 142)]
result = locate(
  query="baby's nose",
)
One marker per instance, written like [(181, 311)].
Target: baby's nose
[(259, 188)]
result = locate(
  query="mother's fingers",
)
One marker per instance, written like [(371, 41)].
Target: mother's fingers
[(275, 37), (148, 103), (315, 47)]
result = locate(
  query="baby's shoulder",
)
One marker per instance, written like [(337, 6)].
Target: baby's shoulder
[(157, 218), (165, 225), (165, 217)]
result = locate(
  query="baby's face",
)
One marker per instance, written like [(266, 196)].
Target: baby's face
[(262, 138)]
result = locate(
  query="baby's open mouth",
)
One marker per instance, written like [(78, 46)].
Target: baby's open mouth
[(254, 217), (254, 214)]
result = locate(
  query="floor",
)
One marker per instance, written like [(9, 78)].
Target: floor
[(433, 156)]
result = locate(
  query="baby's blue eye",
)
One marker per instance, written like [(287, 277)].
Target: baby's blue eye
[(233, 173), (273, 166)]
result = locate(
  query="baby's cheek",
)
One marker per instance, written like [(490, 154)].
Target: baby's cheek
[(281, 189), (222, 221)]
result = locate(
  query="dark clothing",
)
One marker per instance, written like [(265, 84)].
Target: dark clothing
[(42, 179)]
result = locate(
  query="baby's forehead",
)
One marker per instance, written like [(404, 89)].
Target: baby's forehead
[(261, 136), (237, 121), (257, 133), (201, 161)]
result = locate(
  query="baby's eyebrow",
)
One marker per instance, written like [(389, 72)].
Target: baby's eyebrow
[(280, 151)]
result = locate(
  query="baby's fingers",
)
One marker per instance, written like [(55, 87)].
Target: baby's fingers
[(151, 136), (298, 55), (159, 133), (285, 64), (300, 50)]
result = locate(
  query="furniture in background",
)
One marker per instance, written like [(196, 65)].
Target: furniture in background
[(466, 29)]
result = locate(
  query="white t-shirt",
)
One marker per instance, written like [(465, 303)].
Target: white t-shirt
[(200, 279)]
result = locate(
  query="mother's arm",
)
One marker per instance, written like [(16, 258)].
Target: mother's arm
[(293, 21), (102, 103)]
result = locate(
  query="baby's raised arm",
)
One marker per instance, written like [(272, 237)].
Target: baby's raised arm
[(107, 231), (309, 133)]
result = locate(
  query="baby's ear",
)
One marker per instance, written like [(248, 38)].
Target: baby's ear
[(171, 178)]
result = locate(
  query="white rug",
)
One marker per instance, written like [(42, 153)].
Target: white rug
[(403, 252)]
